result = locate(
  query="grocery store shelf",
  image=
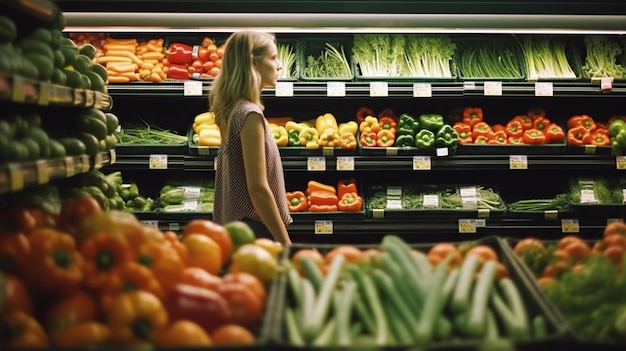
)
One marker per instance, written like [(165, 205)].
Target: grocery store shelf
[(17, 89), (18, 176), (405, 89), (41, 9)]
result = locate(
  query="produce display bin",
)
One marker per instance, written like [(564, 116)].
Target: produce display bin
[(195, 149), (315, 46), (507, 43), (145, 149), (296, 69), (592, 150), (508, 149), (573, 54), (535, 305), (438, 151), (573, 340), (322, 151)]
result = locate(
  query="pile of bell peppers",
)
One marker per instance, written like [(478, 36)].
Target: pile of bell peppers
[(186, 61), (617, 132), (425, 132), (323, 131), (530, 128), (320, 197), (586, 130)]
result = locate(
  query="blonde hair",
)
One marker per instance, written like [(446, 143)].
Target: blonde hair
[(238, 79)]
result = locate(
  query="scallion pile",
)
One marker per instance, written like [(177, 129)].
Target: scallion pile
[(147, 134), (489, 61), (546, 57), (287, 57)]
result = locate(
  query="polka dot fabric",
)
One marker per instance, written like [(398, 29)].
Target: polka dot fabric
[(232, 201)]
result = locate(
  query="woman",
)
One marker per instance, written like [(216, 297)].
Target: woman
[(249, 179)]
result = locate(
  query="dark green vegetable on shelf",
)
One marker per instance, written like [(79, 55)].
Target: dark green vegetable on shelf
[(489, 60), (429, 55), (405, 140), (559, 202), (331, 63), (407, 125), (424, 139), (593, 191), (431, 121), (446, 136), (148, 135), (601, 57)]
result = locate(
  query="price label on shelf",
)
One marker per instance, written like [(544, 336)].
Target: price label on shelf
[(85, 165), (544, 89), (15, 176), (492, 88), (192, 88), (112, 157), (284, 89), (90, 98), (423, 90), (18, 89), (190, 205), (611, 220), (441, 151), (379, 89), (150, 223), (345, 163), (316, 164), (481, 223), (467, 226), (378, 213), (551, 214), (43, 172), (468, 191), (391, 151), (70, 168), (421, 163), (394, 204), (570, 226), (620, 162), (43, 95), (323, 227), (469, 85), (337, 89), (606, 83), (518, 162), (97, 161), (158, 162), (174, 226), (328, 150), (589, 149), (483, 213), (430, 200)]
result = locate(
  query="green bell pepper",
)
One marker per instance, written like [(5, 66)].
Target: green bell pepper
[(293, 138), (431, 121), (425, 139), (407, 125), (616, 126), (405, 140), (446, 136), (619, 140)]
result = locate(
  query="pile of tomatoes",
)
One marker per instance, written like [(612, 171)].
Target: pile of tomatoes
[(85, 277)]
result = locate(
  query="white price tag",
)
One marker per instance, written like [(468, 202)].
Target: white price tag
[(84, 163), (587, 196), (112, 157), (391, 151), (422, 90), (316, 164), (624, 196), (544, 89), (430, 200), (611, 220), (192, 88), (421, 163), (378, 213), (570, 226), (379, 89), (469, 85), (190, 205), (70, 168), (336, 89), (441, 151), (493, 88), (174, 227), (620, 162), (606, 83), (328, 150), (468, 191), (15, 176), (43, 172), (191, 192), (467, 226), (469, 203), (481, 223), (483, 213), (97, 161), (284, 89), (345, 163), (551, 214), (150, 223), (323, 227), (518, 162), (158, 162), (394, 204)]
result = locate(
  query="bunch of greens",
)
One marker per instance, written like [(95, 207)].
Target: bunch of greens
[(331, 63), (380, 55), (601, 57), (149, 135), (429, 55), (595, 191), (545, 57), (412, 198), (489, 60), (287, 57), (559, 202)]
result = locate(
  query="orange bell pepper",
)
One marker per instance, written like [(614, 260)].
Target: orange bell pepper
[(103, 252), (534, 136), (541, 123), (464, 132), (323, 208), (133, 277), (162, 259), (582, 120), (297, 201), (388, 123), (576, 135), (385, 138), (136, 318), (481, 128), (499, 137), (314, 185), (345, 186), (597, 138), (527, 122), (514, 128), (370, 124), (350, 202), (321, 197), (368, 139), (21, 331), (347, 141), (472, 115)]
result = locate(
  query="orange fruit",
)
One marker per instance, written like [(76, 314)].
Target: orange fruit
[(184, 333), (214, 231), (232, 334), (203, 252), (273, 247), (255, 260)]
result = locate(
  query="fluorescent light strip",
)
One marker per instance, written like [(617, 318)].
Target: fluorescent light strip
[(344, 23)]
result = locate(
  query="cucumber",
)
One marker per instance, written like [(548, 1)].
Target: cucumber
[(88, 50), (44, 64), (42, 139), (91, 125), (59, 59), (41, 34), (461, 295), (73, 146), (81, 63), (476, 319), (100, 70), (8, 30), (58, 77), (92, 145), (73, 78), (32, 45), (32, 147), (97, 83), (57, 149)]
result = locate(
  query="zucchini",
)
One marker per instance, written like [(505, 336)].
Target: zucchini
[(433, 305), (514, 299), (368, 290), (294, 337), (461, 295), (476, 319)]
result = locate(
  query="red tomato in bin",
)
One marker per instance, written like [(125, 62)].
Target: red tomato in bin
[(207, 65), (213, 56)]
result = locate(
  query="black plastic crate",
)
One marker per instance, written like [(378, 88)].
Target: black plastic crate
[(510, 149), (505, 43), (534, 302)]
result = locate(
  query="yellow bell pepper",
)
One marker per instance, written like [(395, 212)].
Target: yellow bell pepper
[(205, 117), (292, 125), (324, 122), (308, 137), (348, 127), (280, 135), (329, 138)]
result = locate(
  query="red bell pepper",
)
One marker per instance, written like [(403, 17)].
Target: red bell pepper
[(472, 115), (481, 140), (515, 140), (597, 138), (323, 208), (345, 186), (527, 122), (582, 120), (481, 128), (321, 197), (534, 136), (350, 202), (363, 112), (177, 71), (576, 135), (464, 131), (182, 54), (499, 137), (297, 201), (554, 133), (514, 128), (541, 123)]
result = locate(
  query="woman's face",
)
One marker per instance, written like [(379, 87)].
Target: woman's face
[(269, 66)]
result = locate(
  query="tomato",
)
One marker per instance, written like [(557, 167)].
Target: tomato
[(203, 252), (183, 333), (197, 66), (484, 252), (232, 334), (214, 231), (615, 254), (207, 65), (615, 228), (205, 307), (577, 250), (256, 261), (528, 244), (245, 305), (350, 253), (560, 255), (615, 240), (199, 277), (75, 308), (566, 240), (441, 250), (74, 211), (214, 71), (555, 269), (253, 283), (16, 296), (14, 248)]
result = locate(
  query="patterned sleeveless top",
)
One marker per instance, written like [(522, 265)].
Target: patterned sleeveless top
[(232, 200)]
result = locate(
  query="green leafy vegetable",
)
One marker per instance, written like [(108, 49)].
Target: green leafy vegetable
[(601, 58), (545, 57), (594, 191), (559, 202), (287, 58), (429, 55), (489, 60), (331, 63), (380, 55), (148, 134)]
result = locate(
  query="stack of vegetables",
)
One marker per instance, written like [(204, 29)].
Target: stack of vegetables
[(83, 278), (205, 130), (130, 60), (184, 61), (148, 134), (187, 197), (412, 197), (329, 62), (394, 294), (324, 131), (617, 132), (546, 57), (287, 58), (378, 131), (585, 280), (583, 130), (531, 128), (596, 191), (602, 56), (489, 59), (427, 131), (320, 197)]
